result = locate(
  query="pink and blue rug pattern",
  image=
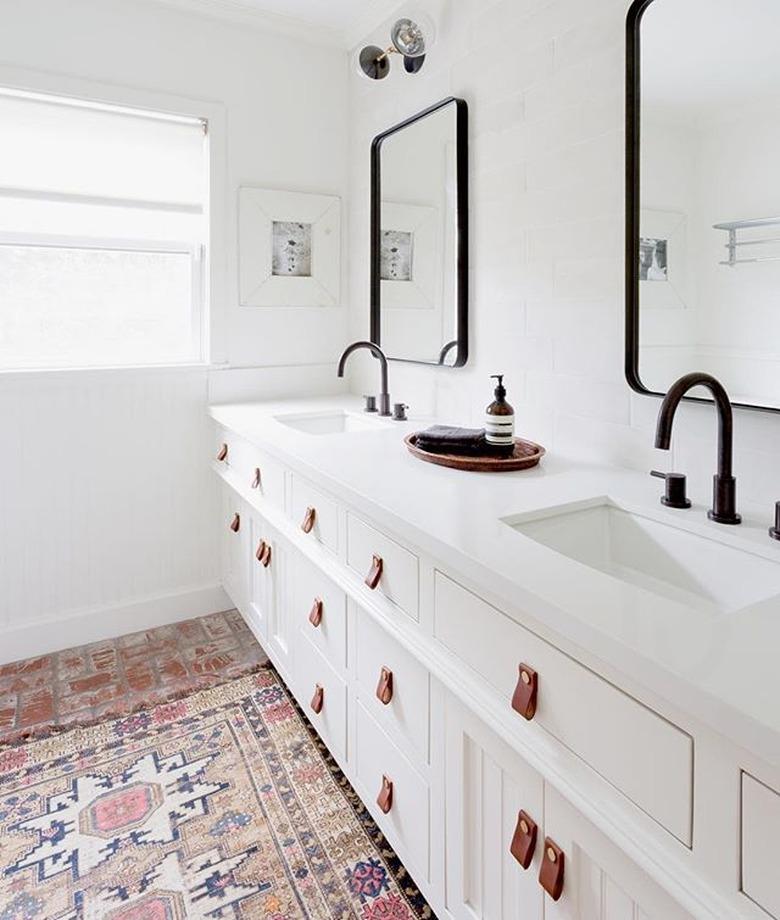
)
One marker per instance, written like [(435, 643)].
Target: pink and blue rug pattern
[(220, 805)]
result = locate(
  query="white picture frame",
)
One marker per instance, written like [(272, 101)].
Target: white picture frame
[(672, 228), (259, 286), (424, 290)]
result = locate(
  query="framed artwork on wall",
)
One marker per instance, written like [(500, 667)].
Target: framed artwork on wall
[(663, 259), (289, 248), (410, 256)]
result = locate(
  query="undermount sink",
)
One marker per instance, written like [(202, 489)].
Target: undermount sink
[(687, 567), (333, 422)]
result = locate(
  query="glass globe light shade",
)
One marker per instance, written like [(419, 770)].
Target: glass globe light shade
[(412, 37)]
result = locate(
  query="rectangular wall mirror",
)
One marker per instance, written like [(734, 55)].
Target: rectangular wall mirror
[(419, 237), (703, 196)]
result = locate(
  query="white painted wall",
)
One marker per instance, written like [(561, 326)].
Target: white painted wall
[(107, 499), (544, 80)]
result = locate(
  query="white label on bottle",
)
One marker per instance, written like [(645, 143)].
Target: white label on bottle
[(499, 429)]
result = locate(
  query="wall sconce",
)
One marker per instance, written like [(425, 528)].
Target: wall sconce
[(411, 38)]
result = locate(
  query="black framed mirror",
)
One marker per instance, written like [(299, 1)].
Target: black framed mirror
[(419, 237), (703, 196)]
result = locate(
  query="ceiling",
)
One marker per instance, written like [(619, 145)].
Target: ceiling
[(337, 22)]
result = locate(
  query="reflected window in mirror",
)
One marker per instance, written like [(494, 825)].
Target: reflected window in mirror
[(703, 196), (419, 237)]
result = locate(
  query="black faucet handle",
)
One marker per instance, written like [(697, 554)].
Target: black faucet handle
[(675, 495)]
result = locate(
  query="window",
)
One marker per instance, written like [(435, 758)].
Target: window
[(103, 229)]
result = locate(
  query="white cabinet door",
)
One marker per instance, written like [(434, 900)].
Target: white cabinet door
[(487, 785), (600, 882), (234, 524), (269, 557)]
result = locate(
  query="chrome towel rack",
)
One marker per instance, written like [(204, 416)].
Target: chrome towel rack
[(733, 228)]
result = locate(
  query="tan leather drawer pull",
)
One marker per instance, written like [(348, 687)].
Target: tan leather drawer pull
[(263, 554), (526, 692), (222, 453), (235, 524), (257, 478), (385, 798), (318, 700), (384, 689), (309, 519), (524, 839), (315, 614), (375, 573), (551, 873)]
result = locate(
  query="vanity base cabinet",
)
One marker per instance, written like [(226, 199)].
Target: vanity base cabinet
[(234, 530), (600, 882), (410, 677), (487, 786), (490, 791)]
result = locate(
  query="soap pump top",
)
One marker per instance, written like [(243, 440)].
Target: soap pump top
[(500, 418), (500, 390)]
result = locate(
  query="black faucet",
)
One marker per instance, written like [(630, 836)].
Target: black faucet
[(724, 486), (376, 351)]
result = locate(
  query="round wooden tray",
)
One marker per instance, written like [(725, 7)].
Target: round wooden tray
[(526, 455)]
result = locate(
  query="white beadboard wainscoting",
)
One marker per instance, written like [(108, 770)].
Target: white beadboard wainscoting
[(107, 521)]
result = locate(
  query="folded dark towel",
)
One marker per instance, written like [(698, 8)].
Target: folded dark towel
[(444, 439)]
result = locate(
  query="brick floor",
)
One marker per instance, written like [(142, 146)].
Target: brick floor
[(109, 678)]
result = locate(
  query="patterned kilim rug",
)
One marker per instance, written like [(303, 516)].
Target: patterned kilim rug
[(220, 805)]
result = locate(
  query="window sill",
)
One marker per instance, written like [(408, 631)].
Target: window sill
[(66, 373)]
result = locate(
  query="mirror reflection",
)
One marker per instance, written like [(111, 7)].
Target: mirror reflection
[(709, 196), (419, 280)]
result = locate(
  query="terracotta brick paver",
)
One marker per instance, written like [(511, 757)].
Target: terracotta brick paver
[(115, 676)]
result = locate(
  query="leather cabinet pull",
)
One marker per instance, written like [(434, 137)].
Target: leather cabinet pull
[(257, 478), (235, 524), (524, 839), (384, 689), (318, 700), (375, 573), (222, 453), (551, 873), (308, 520), (526, 692), (385, 798), (315, 615), (264, 554)]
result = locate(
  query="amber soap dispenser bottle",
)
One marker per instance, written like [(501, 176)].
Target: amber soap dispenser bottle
[(500, 420)]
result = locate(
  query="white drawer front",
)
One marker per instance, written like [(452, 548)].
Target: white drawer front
[(407, 823), (312, 670), (406, 715), (312, 589), (243, 460), (760, 833), (265, 476), (646, 757), (325, 527), (400, 577)]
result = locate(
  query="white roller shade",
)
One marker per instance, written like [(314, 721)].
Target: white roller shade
[(59, 147)]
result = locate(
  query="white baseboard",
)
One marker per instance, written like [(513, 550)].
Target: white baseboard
[(83, 627)]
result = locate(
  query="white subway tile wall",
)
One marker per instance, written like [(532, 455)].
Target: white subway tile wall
[(544, 80)]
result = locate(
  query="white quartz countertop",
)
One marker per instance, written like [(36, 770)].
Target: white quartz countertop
[(721, 668)]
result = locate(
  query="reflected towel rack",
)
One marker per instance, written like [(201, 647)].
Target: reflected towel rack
[(733, 227)]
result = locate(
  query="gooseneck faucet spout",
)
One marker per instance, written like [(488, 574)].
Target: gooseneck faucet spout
[(724, 484), (376, 351)]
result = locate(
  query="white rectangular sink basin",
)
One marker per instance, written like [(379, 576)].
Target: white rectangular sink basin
[(332, 422), (678, 564)]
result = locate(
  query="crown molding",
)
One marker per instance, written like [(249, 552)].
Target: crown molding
[(236, 12), (374, 13), (240, 12)]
